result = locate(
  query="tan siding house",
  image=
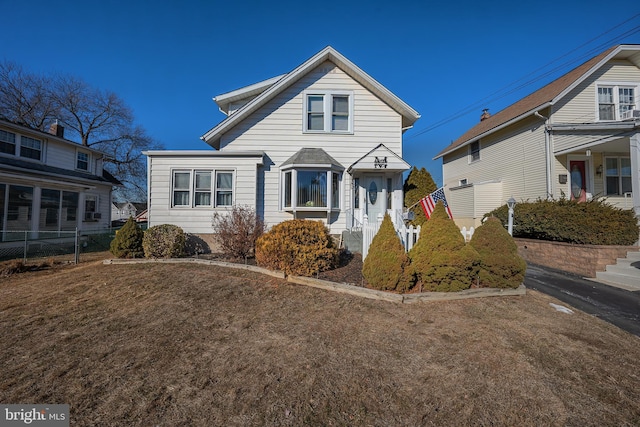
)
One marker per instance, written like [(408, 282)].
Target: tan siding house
[(322, 142), (577, 137)]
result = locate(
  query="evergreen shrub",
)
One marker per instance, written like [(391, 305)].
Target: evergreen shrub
[(164, 241), (441, 259), (128, 241), (387, 265), (593, 222), (418, 185), (297, 247), (500, 264)]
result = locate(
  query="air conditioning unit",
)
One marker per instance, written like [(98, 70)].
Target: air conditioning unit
[(630, 115)]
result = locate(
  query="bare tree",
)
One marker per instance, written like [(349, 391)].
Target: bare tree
[(94, 118)]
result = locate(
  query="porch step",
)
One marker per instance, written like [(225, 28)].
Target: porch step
[(352, 241), (624, 274)]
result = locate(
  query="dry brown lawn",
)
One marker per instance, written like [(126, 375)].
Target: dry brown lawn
[(181, 344)]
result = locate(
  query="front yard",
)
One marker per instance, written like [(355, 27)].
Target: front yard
[(174, 344)]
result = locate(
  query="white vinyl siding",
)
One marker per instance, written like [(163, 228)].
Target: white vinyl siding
[(198, 219), (279, 128)]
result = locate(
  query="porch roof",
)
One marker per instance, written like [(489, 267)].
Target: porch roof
[(380, 159)]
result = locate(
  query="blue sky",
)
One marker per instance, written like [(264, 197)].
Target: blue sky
[(168, 59)]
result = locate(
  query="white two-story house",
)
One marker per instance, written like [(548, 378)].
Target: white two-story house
[(321, 142), (50, 184), (578, 136)]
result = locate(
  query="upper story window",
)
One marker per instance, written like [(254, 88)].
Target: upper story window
[(7, 142), (197, 189), (30, 148), (616, 101), (474, 151), (82, 161), (329, 112)]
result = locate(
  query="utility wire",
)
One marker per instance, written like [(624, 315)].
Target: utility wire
[(505, 91)]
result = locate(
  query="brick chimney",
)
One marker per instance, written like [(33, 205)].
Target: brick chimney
[(57, 130), (485, 115)]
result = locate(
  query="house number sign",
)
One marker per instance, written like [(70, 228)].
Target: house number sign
[(380, 163)]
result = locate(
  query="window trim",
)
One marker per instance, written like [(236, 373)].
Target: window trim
[(88, 161), (327, 111), (619, 175), (616, 86), (192, 190), (473, 153)]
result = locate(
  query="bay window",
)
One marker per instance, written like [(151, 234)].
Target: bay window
[(329, 112), (311, 189)]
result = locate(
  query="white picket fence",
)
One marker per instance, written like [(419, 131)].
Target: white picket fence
[(408, 235)]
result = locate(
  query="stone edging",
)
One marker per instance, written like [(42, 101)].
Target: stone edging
[(340, 287)]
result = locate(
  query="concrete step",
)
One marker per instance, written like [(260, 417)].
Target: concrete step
[(628, 281), (352, 241), (633, 256)]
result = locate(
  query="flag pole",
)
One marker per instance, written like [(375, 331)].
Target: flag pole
[(416, 203)]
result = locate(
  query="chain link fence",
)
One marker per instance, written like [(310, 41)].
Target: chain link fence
[(63, 246)]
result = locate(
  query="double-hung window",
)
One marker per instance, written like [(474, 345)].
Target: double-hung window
[(330, 112), (618, 175), (615, 102), (474, 151), (7, 142), (202, 188), (30, 148), (82, 161)]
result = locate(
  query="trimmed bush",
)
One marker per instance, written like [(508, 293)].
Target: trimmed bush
[(128, 241), (440, 258), (237, 230), (298, 247), (500, 264), (163, 241), (387, 265), (594, 222)]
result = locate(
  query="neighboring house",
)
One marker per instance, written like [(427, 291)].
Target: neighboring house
[(48, 183), (578, 137), (322, 142), (121, 211)]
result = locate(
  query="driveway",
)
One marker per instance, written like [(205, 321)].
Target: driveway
[(617, 306)]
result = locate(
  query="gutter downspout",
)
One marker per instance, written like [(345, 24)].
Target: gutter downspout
[(547, 147)]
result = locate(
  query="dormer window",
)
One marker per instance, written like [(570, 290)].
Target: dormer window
[(330, 112), (615, 102)]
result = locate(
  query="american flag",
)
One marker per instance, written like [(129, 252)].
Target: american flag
[(429, 203)]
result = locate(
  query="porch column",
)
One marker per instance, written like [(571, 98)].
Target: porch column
[(634, 152)]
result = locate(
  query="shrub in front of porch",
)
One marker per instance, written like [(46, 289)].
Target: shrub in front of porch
[(500, 264), (387, 265), (128, 241), (593, 222), (164, 241), (441, 259), (297, 247)]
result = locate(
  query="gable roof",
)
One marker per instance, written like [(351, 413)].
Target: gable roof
[(212, 137), (543, 97), (381, 151)]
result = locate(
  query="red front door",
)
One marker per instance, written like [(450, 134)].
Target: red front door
[(578, 180)]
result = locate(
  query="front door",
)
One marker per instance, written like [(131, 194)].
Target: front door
[(578, 188), (374, 198)]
